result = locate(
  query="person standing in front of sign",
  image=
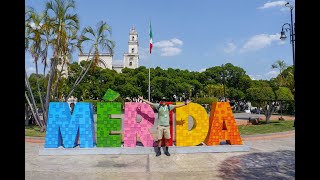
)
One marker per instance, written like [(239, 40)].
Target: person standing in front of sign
[(163, 127)]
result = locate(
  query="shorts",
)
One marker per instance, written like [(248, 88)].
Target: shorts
[(163, 130)]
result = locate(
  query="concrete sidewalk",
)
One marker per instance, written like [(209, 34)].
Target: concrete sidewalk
[(271, 157)]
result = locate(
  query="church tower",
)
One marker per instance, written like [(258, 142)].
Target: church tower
[(131, 59)]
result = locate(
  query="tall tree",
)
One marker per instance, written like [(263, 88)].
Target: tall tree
[(63, 24), (28, 12), (33, 36), (287, 74), (214, 90), (281, 65), (100, 41), (72, 44), (265, 98), (283, 94)]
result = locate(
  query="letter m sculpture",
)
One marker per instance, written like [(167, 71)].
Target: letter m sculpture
[(64, 129)]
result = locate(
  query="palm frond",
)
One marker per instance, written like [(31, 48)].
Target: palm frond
[(89, 30), (274, 66), (70, 4), (72, 21), (101, 26)]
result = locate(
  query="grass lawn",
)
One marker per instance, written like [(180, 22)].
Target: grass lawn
[(33, 131), (263, 128)]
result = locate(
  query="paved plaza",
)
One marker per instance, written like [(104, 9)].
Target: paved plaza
[(270, 157)]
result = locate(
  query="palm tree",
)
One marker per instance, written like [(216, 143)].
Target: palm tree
[(33, 22), (99, 40), (289, 78), (281, 65), (64, 23), (47, 31), (35, 37), (72, 42), (28, 12)]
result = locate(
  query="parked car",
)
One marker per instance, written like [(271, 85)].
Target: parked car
[(257, 111)]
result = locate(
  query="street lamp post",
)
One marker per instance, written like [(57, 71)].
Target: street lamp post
[(292, 34), (291, 29)]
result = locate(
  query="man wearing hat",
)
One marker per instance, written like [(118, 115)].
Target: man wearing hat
[(163, 121)]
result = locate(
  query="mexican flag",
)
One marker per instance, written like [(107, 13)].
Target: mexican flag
[(150, 38)]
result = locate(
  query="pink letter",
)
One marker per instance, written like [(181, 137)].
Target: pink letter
[(131, 127)]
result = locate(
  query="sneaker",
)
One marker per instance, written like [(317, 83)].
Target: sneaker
[(158, 153)]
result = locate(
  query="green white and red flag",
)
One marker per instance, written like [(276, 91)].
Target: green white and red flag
[(150, 38)]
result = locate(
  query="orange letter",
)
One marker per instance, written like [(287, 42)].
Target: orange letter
[(222, 125)]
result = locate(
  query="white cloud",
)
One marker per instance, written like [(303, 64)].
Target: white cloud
[(272, 74), (273, 4), (169, 47), (202, 70), (162, 44), (255, 77), (168, 43), (229, 48), (266, 76), (259, 41), (176, 41), (30, 70), (170, 51), (34, 26)]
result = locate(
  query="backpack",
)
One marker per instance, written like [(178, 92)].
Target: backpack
[(165, 105), (160, 106)]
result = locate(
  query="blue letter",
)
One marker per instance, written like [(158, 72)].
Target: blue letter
[(63, 129)]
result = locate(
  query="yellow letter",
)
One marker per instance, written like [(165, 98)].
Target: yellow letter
[(198, 133)]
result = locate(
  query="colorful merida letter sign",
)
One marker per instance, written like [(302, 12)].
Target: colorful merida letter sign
[(66, 129)]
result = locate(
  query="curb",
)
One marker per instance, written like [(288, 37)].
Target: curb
[(31, 139), (269, 136)]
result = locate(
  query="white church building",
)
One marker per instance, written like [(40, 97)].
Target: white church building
[(130, 59)]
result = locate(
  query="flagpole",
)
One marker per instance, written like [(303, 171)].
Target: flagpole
[(149, 84), (150, 46)]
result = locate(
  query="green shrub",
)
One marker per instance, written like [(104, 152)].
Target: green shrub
[(206, 100)]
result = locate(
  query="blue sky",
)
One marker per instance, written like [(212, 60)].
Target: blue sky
[(193, 35)]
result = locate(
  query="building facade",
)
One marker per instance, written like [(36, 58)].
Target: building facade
[(130, 59)]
